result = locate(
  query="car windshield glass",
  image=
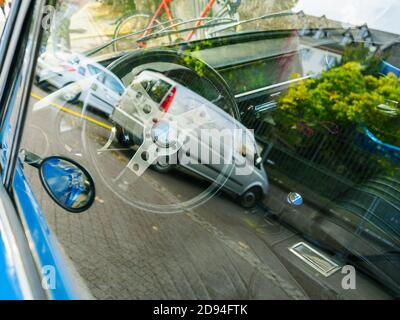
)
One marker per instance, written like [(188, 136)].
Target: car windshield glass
[(246, 16), (240, 149)]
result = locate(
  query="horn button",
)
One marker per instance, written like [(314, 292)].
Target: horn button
[(165, 134), (163, 138)]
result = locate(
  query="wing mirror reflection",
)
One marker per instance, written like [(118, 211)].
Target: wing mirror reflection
[(66, 181)]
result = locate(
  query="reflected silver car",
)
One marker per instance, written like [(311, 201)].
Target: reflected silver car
[(105, 88), (153, 102)]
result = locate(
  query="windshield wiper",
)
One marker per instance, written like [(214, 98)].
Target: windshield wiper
[(224, 22), (108, 43), (219, 25), (163, 32), (226, 25), (264, 17)]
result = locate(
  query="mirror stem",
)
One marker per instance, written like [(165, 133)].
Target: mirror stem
[(30, 158)]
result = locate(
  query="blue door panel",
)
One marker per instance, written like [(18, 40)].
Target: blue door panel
[(45, 247), (10, 288)]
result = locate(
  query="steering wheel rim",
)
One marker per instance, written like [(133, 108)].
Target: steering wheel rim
[(139, 57)]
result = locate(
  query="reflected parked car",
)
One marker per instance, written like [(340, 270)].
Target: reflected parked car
[(105, 89)]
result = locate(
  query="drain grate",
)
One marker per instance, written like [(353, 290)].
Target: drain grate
[(315, 259)]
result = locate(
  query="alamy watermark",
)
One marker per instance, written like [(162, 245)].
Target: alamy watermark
[(49, 280), (49, 14), (349, 280)]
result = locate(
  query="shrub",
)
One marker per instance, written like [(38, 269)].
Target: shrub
[(346, 96)]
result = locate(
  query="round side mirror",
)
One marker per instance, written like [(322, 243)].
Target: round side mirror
[(295, 199), (67, 183)]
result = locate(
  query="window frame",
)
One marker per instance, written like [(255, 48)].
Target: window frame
[(24, 225)]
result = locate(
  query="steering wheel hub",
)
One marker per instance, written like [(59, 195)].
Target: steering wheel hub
[(164, 134)]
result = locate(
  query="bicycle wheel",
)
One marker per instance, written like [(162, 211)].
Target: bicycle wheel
[(129, 25)]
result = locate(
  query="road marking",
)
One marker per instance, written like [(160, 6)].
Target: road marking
[(74, 113)]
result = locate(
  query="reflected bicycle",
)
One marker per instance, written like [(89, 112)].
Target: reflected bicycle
[(151, 23)]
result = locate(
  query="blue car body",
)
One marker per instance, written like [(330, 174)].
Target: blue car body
[(387, 68), (42, 242), (45, 248)]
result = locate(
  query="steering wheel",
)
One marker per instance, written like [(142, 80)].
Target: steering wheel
[(163, 134)]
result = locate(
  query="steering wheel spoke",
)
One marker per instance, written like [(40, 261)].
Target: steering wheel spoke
[(144, 157)]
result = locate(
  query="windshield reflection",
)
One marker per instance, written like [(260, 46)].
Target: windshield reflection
[(207, 126)]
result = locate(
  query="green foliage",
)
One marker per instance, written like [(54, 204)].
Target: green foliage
[(346, 96), (189, 58)]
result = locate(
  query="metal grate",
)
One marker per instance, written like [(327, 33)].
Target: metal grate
[(315, 259)]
